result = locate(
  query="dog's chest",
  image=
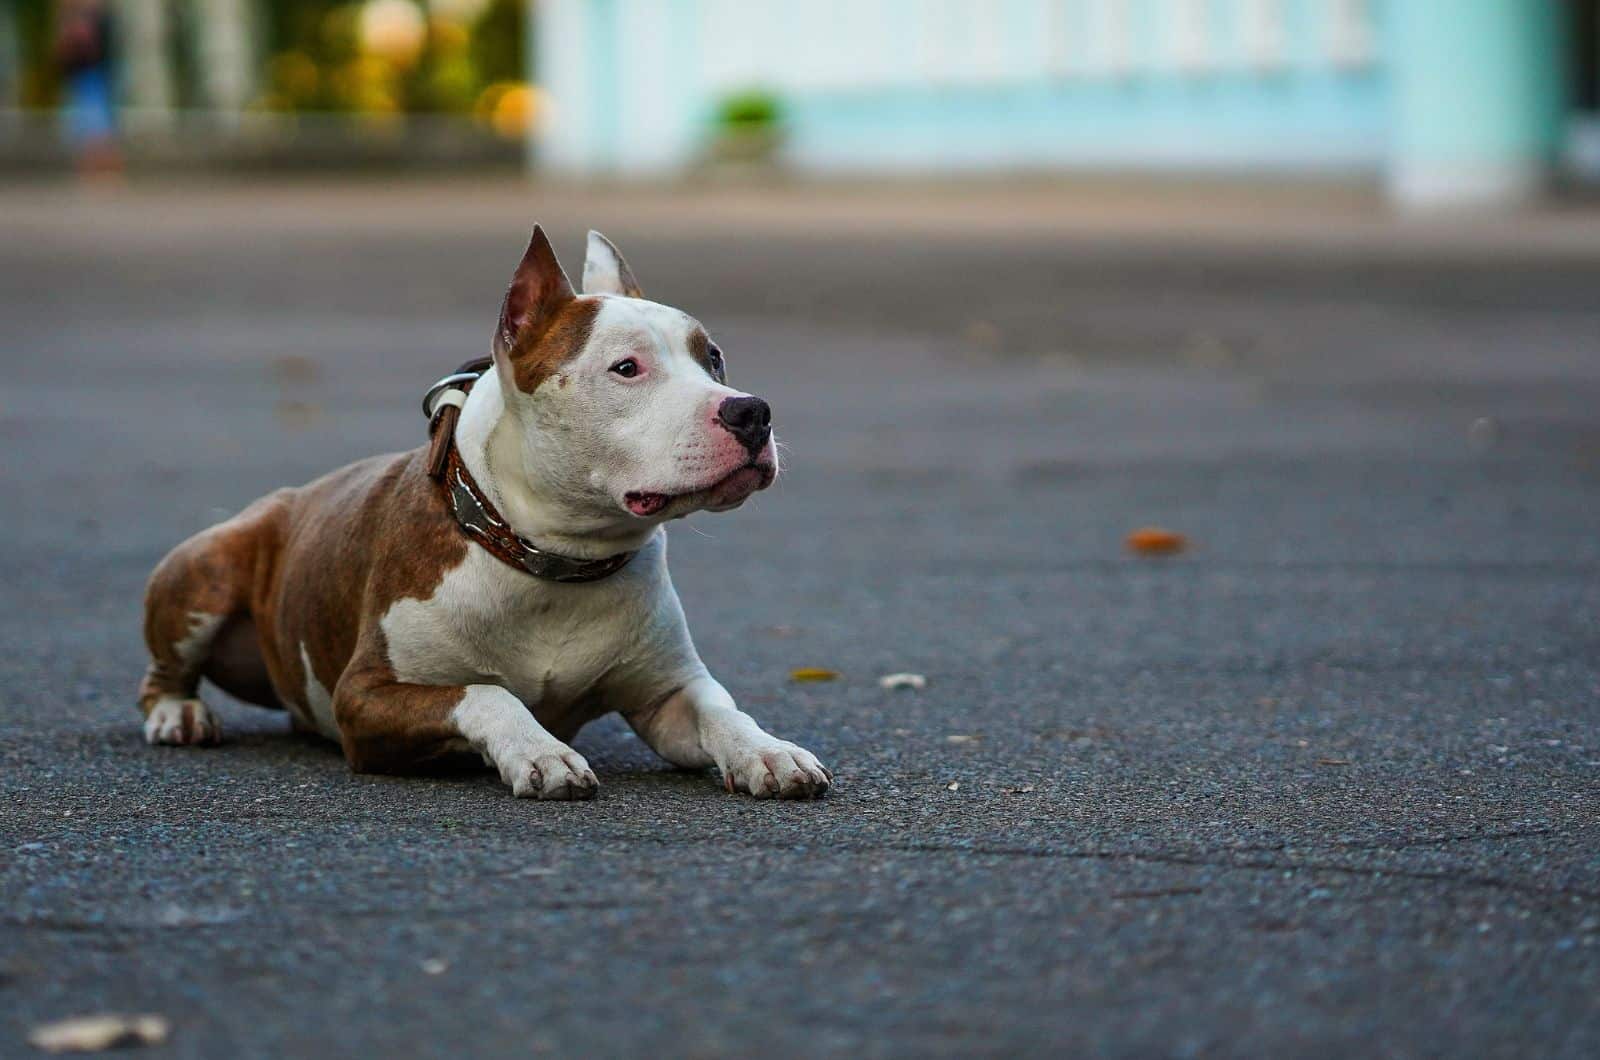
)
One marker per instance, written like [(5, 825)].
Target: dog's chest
[(551, 645)]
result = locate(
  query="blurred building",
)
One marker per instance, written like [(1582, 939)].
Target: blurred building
[(1447, 101)]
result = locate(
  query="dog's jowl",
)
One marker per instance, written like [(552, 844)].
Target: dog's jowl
[(494, 590)]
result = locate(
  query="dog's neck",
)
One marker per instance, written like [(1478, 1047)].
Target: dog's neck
[(489, 439)]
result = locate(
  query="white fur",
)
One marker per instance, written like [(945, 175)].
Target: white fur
[(319, 701), (494, 723), (196, 644), (164, 723), (563, 649), (602, 269)]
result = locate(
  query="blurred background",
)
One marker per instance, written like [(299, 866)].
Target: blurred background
[(1438, 102)]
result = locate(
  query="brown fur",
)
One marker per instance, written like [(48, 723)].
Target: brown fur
[(539, 357), (543, 324), (318, 566), (700, 350)]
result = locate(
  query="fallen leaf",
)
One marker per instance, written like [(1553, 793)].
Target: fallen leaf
[(961, 737), (916, 682), (813, 673), (1023, 790), (1154, 541), (295, 369), (954, 785), (92, 1034), (1333, 761)]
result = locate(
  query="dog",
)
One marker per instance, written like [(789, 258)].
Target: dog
[(497, 589)]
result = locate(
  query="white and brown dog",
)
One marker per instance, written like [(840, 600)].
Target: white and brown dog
[(494, 592)]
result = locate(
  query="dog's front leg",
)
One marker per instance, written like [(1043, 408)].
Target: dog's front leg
[(392, 726), (699, 726)]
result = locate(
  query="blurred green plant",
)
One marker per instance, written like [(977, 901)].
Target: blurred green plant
[(41, 83), (749, 110), (746, 132)]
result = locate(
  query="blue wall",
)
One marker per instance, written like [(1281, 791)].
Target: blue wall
[(1288, 121), (1303, 111), (1420, 87)]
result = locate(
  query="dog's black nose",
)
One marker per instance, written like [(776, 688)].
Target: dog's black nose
[(748, 419)]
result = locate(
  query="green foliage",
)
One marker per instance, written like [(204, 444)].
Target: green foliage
[(497, 42), (35, 23), (456, 64), (751, 109)]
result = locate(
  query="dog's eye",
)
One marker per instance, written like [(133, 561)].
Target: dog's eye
[(719, 371), (627, 368)]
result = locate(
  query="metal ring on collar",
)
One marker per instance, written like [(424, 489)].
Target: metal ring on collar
[(453, 380)]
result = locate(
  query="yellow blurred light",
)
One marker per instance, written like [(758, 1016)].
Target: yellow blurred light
[(449, 37), (516, 112), (393, 29), (488, 99)]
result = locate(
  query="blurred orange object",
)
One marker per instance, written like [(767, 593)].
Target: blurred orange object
[(813, 673), (1154, 541)]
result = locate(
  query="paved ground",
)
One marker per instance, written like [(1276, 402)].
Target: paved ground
[(1326, 784)]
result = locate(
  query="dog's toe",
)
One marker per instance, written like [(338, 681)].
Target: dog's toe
[(181, 723), (562, 777), (783, 772)]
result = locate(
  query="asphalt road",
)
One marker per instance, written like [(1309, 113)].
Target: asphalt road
[(1328, 783)]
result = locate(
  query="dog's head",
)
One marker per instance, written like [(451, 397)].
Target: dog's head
[(623, 403)]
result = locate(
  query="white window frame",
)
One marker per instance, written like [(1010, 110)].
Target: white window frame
[(1263, 34), (1351, 37)]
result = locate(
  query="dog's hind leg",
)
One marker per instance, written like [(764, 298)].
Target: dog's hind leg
[(193, 594)]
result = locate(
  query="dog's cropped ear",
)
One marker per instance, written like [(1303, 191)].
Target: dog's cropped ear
[(539, 291), (604, 271)]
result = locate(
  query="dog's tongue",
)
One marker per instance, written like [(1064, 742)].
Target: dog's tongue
[(646, 503)]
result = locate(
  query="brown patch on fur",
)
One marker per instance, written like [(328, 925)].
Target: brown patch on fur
[(543, 324), (700, 350), (536, 358), (700, 347), (319, 566)]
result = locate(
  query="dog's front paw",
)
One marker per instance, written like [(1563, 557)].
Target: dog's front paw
[(777, 770), (181, 723), (561, 775)]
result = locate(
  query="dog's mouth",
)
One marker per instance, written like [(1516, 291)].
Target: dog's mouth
[(730, 491)]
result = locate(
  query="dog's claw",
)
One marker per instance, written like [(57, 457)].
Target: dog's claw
[(563, 777), (783, 771), (182, 723)]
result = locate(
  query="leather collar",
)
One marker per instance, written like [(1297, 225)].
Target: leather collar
[(474, 512)]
